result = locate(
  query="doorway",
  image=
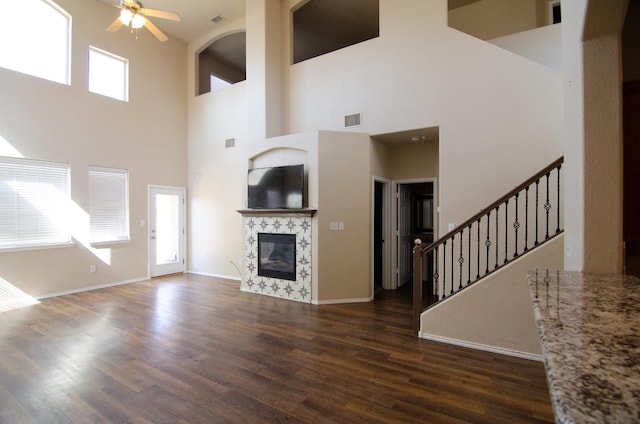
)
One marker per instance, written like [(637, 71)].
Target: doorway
[(415, 217), (166, 230), (381, 276)]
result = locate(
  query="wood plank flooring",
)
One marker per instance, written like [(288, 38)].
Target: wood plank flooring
[(193, 349)]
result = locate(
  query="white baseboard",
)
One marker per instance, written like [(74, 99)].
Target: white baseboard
[(478, 346), (85, 289), (338, 301), (206, 274)]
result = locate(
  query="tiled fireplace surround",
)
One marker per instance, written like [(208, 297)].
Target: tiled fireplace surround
[(279, 221)]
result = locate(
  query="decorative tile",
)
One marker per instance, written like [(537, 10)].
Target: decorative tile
[(299, 290)]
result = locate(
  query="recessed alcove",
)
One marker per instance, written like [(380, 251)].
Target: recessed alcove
[(223, 62)]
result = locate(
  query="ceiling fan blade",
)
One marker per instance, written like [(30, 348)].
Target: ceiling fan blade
[(115, 25), (162, 14), (155, 31)]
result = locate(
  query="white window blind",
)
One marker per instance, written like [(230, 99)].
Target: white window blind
[(34, 203), (108, 204)]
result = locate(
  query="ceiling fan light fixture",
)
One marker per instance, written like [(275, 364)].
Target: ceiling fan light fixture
[(134, 16), (137, 21), (126, 16)]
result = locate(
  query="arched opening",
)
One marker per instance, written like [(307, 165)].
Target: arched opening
[(222, 63)]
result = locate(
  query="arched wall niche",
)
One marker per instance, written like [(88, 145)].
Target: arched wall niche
[(280, 156), (221, 61)]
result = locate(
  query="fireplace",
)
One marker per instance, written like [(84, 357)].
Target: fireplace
[(278, 253), (277, 256)]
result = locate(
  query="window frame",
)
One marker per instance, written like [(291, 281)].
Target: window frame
[(123, 235), (124, 97), (60, 206), (68, 46)]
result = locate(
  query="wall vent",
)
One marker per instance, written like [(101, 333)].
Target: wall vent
[(229, 142), (354, 120)]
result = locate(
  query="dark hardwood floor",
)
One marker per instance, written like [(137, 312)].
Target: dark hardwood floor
[(192, 349)]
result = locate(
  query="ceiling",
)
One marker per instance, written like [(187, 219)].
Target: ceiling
[(196, 15)]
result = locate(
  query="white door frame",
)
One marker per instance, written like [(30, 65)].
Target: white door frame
[(183, 244), (387, 274), (396, 224)]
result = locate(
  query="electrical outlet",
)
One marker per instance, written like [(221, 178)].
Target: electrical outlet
[(92, 269)]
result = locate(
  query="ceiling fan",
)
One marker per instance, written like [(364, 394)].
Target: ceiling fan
[(135, 16)]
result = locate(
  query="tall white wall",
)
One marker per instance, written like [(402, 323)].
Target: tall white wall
[(500, 115), (500, 119), (147, 136)]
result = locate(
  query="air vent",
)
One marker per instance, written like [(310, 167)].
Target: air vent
[(229, 142), (354, 120)]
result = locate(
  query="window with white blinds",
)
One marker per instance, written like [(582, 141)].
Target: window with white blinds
[(34, 203), (108, 205)]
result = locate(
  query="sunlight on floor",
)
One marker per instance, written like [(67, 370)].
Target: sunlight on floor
[(12, 297)]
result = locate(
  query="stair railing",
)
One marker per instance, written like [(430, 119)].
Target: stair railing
[(523, 219)]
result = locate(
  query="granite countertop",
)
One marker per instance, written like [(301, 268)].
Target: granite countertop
[(589, 327)]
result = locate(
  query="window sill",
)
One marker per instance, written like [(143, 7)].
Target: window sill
[(107, 244), (36, 247)]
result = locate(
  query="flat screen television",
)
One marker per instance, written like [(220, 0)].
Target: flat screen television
[(277, 187)]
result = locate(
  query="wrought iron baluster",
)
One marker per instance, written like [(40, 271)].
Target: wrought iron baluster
[(444, 269), (478, 249), (516, 226), (435, 273), (453, 239), (526, 218), (537, 209), (487, 242), (469, 256), (558, 204), (460, 260), (497, 239), (506, 230), (547, 207)]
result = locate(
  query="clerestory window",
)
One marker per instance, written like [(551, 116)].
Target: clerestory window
[(108, 74), (35, 39)]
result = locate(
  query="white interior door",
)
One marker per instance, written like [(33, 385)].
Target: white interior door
[(166, 230)]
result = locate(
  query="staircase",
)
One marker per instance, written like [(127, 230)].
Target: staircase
[(522, 220)]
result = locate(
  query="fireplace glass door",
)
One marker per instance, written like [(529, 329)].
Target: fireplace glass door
[(277, 256)]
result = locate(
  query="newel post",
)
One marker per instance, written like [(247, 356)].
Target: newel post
[(417, 285)]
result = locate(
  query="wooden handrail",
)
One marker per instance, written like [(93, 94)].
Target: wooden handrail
[(555, 164)]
